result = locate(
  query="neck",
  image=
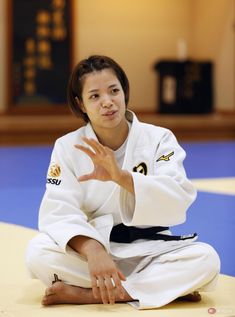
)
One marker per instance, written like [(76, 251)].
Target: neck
[(115, 137)]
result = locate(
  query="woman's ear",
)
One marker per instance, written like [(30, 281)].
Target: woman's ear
[(80, 105)]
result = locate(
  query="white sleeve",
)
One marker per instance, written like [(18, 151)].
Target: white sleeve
[(163, 198), (60, 214)]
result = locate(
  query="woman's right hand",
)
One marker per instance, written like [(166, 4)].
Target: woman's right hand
[(105, 277)]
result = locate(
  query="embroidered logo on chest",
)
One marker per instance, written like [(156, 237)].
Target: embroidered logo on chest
[(141, 168), (165, 157)]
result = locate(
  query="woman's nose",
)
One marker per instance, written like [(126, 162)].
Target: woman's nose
[(106, 102)]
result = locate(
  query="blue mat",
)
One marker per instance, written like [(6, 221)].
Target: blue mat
[(22, 183), (212, 216), (209, 160)]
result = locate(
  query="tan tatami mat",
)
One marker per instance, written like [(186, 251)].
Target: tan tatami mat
[(20, 296), (216, 185)]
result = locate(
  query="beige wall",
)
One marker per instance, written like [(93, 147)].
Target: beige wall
[(2, 56), (140, 32), (136, 34), (213, 38)]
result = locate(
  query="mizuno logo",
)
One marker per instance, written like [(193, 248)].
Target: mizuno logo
[(165, 157)]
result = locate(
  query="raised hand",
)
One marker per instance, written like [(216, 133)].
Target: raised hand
[(105, 165)]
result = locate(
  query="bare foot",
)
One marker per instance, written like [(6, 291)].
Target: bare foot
[(61, 293), (193, 297)]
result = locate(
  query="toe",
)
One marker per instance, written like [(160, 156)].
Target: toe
[(45, 301), (193, 297), (49, 291)]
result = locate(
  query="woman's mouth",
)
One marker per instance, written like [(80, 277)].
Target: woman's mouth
[(109, 113)]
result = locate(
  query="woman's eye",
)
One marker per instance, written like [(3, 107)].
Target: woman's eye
[(115, 90), (95, 96)]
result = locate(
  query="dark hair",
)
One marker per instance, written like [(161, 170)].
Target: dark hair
[(86, 66)]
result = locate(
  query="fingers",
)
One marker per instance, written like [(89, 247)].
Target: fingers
[(120, 290), (96, 146), (84, 149), (121, 275), (107, 288), (104, 293), (103, 288), (94, 286), (86, 177), (110, 290)]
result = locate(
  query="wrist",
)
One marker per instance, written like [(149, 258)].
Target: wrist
[(122, 177), (125, 180), (92, 247), (85, 245)]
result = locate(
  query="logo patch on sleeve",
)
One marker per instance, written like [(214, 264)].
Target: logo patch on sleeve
[(54, 173), (166, 158), (54, 170)]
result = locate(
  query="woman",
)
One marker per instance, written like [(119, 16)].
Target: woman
[(114, 188)]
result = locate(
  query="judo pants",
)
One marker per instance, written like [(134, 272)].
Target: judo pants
[(153, 281)]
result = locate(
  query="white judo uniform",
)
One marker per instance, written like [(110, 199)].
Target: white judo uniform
[(156, 271)]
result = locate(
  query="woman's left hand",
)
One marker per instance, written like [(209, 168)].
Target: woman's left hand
[(105, 165)]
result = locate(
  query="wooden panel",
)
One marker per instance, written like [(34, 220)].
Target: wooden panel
[(45, 129), (39, 55)]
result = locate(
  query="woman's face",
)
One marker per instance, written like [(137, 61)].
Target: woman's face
[(103, 99)]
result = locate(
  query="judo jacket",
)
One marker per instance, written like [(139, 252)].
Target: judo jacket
[(162, 191)]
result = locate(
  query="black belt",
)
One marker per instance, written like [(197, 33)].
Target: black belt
[(126, 234)]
